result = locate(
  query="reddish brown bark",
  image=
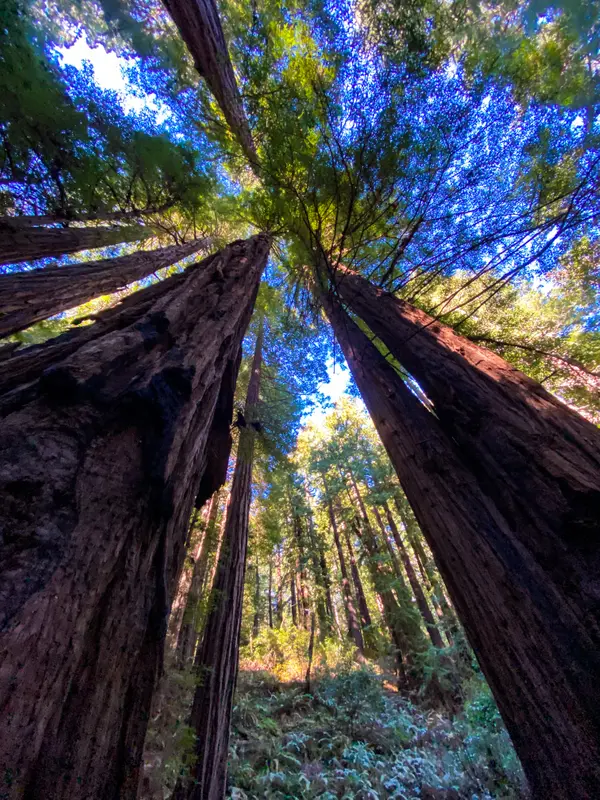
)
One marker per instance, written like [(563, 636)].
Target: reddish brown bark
[(29, 243), (536, 639), (353, 627), (217, 657), (200, 28), (422, 603), (28, 297), (95, 504)]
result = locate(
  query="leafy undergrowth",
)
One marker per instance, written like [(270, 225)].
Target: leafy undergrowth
[(351, 738)]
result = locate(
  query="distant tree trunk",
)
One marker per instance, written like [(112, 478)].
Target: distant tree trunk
[(180, 596), (301, 572), (270, 594), (279, 590), (200, 28), (190, 628), (97, 498), (353, 627), (27, 244), (356, 580), (329, 605), (535, 637), (217, 657), (293, 600), (390, 549), (323, 613), (256, 620), (422, 603), (429, 574), (311, 650), (34, 295)]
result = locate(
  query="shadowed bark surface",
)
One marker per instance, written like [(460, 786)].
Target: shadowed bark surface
[(95, 504), (28, 297), (539, 654), (20, 243)]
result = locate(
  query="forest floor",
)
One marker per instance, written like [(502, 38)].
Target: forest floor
[(353, 738)]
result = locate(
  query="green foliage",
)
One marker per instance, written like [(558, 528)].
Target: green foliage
[(352, 739)]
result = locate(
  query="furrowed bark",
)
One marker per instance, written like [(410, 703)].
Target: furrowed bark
[(200, 28), (18, 243), (217, 657), (95, 504), (28, 297), (539, 653)]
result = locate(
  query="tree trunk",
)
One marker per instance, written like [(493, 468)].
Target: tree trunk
[(27, 244), (256, 620), (200, 28), (311, 650), (301, 572), (28, 297), (353, 627), (422, 603), (270, 594), (196, 531), (190, 629), (28, 221), (95, 504), (537, 646), (279, 589), (217, 657), (323, 614), (293, 600), (356, 580)]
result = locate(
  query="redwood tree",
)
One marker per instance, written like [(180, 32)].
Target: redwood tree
[(34, 295), (95, 504), (20, 243), (200, 28), (537, 645), (217, 657)]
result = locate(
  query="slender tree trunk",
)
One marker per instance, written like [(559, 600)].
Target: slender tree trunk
[(311, 650), (178, 605), (217, 657), (97, 499), (28, 297), (270, 594), (188, 635), (422, 603), (29, 221), (390, 548), (293, 599), (536, 639), (279, 589), (200, 28), (323, 614), (27, 244), (356, 580), (353, 627), (256, 620), (301, 572)]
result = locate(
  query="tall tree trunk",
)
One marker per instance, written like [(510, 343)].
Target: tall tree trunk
[(27, 244), (356, 580), (270, 593), (256, 620), (353, 627), (536, 639), (279, 589), (422, 603), (311, 650), (217, 657), (196, 532), (94, 504), (429, 573), (301, 571), (190, 628), (293, 599), (28, 221), (200, 28), (28, 297), (323, 614)]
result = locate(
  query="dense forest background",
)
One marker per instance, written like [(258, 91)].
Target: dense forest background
[(300, 360)]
